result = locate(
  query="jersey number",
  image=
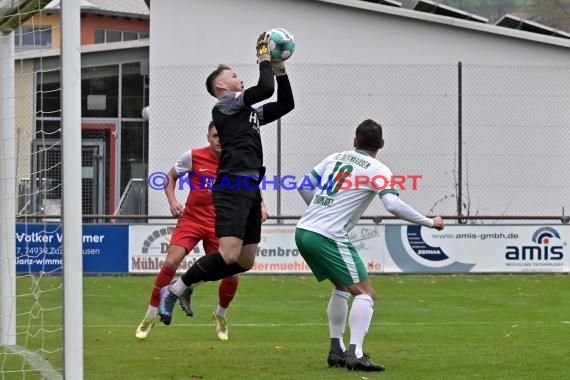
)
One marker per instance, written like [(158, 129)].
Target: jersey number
[(337, 177)]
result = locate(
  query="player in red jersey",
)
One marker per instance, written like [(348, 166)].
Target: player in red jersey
[(196, 223)]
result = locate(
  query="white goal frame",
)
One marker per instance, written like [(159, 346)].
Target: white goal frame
[(72, 258), (8, 189)]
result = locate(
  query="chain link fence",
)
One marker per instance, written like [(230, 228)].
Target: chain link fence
[(486, 140), (515, 139)]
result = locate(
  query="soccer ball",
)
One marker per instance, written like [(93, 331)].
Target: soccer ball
[(281, 44), (145, 113)]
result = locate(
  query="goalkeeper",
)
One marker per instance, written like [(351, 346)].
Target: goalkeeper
[(237, 198)]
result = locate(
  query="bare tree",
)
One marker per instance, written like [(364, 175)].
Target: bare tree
[(553, 13)]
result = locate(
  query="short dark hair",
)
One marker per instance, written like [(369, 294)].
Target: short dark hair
[(210, 126), (368, 135), (212, 78)]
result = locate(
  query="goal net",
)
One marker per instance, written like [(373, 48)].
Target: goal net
[(31, 299)]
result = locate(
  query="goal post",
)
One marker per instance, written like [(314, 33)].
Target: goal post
[(72, 211), (41, 297), (8, 191)]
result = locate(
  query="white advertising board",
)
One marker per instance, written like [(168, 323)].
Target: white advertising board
[(148, 245), (391, 249), (277, 252), (473, 248)]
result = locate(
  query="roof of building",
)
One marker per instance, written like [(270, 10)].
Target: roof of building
[(429, 6), (515, 22), (9, 5), (425, 10), (430, 11), (133, 8)]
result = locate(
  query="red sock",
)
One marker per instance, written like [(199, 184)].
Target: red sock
[(227, 290), (162, 279)]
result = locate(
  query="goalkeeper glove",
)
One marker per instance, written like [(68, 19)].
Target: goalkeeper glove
[(262, 47), (278, 67)]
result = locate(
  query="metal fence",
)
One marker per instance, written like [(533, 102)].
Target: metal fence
[(488, 140)]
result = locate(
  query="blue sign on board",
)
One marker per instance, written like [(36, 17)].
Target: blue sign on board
[(39, 248)]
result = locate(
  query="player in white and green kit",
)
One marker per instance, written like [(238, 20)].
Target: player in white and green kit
[(344, 184)]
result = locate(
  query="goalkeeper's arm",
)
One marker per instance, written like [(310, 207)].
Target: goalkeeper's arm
[(265, 85), (264, 88), (284, 104)]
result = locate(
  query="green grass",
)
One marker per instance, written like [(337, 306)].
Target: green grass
[(424, 327)]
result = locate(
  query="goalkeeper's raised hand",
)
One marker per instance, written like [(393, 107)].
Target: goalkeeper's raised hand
[(262, 47), (278, 67)]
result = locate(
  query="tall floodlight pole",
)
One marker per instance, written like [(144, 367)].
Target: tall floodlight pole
[(72, 210)]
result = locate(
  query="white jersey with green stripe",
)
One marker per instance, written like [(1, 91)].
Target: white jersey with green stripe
[(345, 184)]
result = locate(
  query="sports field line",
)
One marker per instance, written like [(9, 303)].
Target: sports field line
[(36, 362), (311, 324), (316, 324)]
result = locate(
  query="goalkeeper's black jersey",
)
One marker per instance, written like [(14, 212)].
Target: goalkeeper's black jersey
[(238, 129)]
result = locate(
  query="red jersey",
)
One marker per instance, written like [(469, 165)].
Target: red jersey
[(200, 166)]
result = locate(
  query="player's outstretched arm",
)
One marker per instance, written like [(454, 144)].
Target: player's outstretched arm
[(265, 85), (402, 210), (285, 102)]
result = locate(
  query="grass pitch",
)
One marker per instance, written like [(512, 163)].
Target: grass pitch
[(424, 327)]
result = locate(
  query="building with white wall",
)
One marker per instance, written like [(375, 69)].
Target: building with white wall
[(355, 60)]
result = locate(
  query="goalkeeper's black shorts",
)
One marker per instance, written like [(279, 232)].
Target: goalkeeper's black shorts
[(238, 212)]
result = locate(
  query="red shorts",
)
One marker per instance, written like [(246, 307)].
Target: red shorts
[(189, 232)]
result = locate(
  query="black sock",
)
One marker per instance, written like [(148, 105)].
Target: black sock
[(210, 267), (335, 345), (228, 271), (352, 349)]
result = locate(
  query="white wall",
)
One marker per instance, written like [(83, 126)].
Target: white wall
[(209, 31), (351, 64)]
